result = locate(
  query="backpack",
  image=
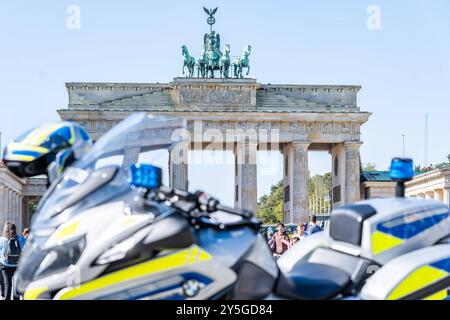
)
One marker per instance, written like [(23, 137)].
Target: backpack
[(315, 229), (13, 251)]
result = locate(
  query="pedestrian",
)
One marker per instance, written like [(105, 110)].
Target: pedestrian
[(2, 283), (313, 227), (279, 242), (300, 234), (23, 238), (10, 250)]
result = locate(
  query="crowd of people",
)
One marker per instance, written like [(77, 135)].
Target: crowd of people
[(11, 246), (280, 242)]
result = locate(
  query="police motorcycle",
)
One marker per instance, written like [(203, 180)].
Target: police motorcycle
[(389, 249), (106, 231), (116, 233)]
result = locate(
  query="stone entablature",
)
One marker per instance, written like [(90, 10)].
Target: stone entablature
[(215, 95), (315, 127), (35, 187), (10, 180), (92, 95)]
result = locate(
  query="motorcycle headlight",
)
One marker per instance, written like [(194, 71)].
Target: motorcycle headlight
[(61, 257), (37, 262)]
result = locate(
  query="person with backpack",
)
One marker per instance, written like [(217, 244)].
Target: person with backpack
[(313, 227), (10, 250)]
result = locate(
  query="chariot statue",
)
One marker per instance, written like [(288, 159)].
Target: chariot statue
[(212, 59)]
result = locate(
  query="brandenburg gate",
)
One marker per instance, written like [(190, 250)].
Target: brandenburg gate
[(305, 117), (295, 119)]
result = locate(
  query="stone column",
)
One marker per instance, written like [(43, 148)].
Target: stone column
[(10, 205), (446, 196), (25, 214), (352, 171), (429, 195), (13, 213), (296, 202), (3, 205), (438, 195), (338, 174), (19, 213), (178, 166), (246, 175)]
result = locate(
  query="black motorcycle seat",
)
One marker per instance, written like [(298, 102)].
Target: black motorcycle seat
[(312, 281)]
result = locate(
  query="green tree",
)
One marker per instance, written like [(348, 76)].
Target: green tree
[(270, 207), (430, 167), (370, 166), (319, 192)]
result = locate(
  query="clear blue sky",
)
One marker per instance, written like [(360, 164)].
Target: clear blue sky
[(403, 68)]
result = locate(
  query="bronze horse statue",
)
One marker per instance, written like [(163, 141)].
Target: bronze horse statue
[(202, 64), (188, 61), (224, 63), (242, 62)]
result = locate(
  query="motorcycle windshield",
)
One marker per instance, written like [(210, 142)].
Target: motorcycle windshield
[(90, 182)]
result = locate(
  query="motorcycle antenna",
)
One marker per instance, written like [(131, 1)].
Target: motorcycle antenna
[(403, 145), (425, 158)]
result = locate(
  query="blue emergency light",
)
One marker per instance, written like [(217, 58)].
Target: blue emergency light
[(145, 176), (401, 171)]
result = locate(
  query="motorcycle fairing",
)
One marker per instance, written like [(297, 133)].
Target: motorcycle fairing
[(157, 278), (422, 274)]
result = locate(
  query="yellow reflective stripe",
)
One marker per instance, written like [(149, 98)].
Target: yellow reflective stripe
[(440, 295), (26, 147), (38, 136), (193, 256), (416, 280), (34, 293), (67, 231), (167, 262), (204, 256), (383, 241), (72, 135), (19, 157)]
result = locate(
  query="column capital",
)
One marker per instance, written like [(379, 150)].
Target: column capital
[(245, 142), (355, 144), (301, 144)]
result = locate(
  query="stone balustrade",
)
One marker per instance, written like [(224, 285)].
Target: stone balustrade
[(433, 185)]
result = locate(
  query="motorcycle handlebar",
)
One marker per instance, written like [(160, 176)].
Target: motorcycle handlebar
[(243, 213), (204, 202)]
